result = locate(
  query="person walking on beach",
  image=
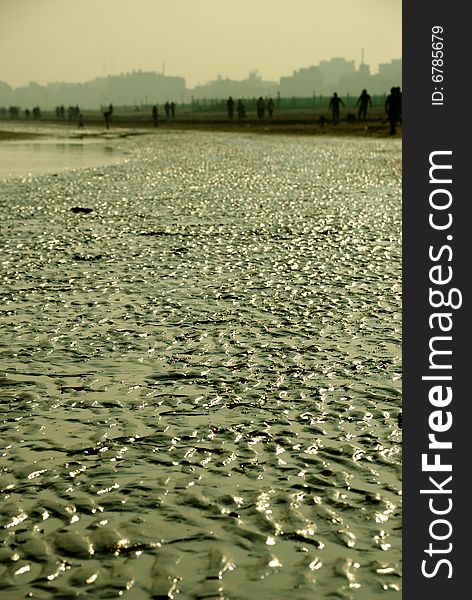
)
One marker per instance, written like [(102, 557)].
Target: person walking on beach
[(81, 121), (364, 101), (230, 107), (399, 92), (107, 117), (270, 107), (334, 104), (172, 110), (393, 108), (241, 110), (155, 115), (260, 106), (167, 109)]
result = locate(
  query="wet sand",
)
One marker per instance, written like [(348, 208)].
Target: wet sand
[(18, 135), (285, 123), (201, 373)]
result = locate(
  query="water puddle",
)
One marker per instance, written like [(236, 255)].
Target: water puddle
[(28, 158)]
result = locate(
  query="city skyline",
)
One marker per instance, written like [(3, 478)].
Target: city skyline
[(147, 87), (78, 41), (217, 76)]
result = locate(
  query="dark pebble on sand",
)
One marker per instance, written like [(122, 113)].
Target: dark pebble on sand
[(88, 257), (81, 209)]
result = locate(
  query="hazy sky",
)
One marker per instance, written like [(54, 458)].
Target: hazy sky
[(77, 40)]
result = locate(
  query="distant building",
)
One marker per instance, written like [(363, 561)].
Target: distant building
[(340, 75), (145, 87), (321, 79), (355, 82), (391, 70), (149, 87), (5, 94), (250, 87), (303, 83), (134, 88), (333, 70)]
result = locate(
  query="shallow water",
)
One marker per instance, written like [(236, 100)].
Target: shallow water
[(28, 158), (201, 378)]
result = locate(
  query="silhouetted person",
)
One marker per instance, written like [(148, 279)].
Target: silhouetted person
[(393, 108), (334, 104), (73, 112), (230, 106), (167, 109), (241, 110), (260, 107), (107, 117), (155, 115), (81, 121), (27, 114), (110, 110), (270, 107), (399, 92), (364, 101), (172, 110)]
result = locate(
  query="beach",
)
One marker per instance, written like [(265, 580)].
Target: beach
[(201, 368), (286, 122)]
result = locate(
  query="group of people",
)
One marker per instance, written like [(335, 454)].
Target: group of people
[(261, 107), (169, 108), (393, 107), (363, 102)]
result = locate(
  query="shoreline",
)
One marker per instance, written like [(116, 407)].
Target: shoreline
[(6, 135), (302, 126)]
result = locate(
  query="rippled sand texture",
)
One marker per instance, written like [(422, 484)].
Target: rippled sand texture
[(201, 377)]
